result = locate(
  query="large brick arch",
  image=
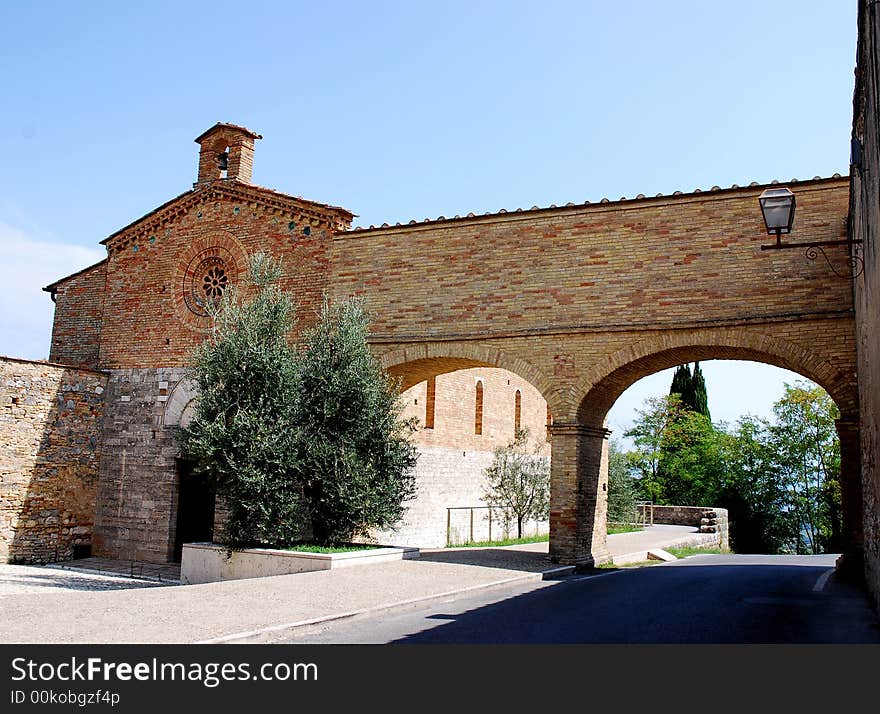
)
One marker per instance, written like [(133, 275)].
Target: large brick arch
[(418, 362), (608, 379)]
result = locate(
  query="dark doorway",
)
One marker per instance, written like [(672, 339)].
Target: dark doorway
[(195, 508)]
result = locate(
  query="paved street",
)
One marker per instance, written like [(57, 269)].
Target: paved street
[(40, 580), (512, 594), (703, 599)]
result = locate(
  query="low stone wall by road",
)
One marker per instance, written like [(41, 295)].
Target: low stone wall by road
[(50, 428), (708, 520)]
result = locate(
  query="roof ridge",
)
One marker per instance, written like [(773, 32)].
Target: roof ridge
[(604, 200), (51, 286)]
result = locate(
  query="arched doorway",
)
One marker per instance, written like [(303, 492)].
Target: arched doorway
[(579, 499)]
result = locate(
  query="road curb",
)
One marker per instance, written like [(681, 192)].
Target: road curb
[(114, 574), (272, 632)]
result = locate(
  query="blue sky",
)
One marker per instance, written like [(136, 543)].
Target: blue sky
[(400, 110)]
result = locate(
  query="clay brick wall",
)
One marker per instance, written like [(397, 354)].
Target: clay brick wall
[(146, 321), (76, 330), (50, 446), (454, 408), (451, 471), (657, 261), (866, 226)]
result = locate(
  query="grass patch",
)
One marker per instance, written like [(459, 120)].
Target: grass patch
[(341, 548), (641, 563), (507, 541), (685, 552), (622, 528)]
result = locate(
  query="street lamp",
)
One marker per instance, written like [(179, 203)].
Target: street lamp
[(777, 207)]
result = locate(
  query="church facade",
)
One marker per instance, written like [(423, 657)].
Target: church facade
[(136, 316)]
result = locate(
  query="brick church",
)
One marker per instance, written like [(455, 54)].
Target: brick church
[(124, 329)]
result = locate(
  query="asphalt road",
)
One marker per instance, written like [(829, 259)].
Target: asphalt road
[(703, 599)]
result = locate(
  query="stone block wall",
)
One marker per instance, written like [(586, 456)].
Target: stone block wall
[(448, 478), (708, 520), (865, 226), (136, 507), (50, 447)]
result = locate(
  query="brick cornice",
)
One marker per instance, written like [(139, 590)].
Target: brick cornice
[(577, 429), (602, 327), (318, 214)]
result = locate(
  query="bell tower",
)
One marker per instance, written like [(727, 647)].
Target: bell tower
[(227, 152)]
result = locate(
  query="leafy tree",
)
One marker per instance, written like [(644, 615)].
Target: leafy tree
[(648, 433), (779, 480), (518, 481), (622, 490), (292, 439), (354, 459), (691, 464), (752, 491), (807, 454), (243, 433)]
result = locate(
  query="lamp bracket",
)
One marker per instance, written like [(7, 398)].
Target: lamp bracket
[(780, 246), (813, 250)]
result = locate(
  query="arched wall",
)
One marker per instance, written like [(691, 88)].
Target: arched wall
[(178, 408), (453, 454), (607, 380), (416, 363)]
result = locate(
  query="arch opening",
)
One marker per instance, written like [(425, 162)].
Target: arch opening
[(473, 406), (742, 463), (601, 395)]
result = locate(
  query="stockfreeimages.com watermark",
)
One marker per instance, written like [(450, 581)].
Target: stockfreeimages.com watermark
[(209, 674)]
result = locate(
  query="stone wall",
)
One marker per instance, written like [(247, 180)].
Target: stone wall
[(50, 446), (708, 520), (449, 478), (136, 507), (865, 226)]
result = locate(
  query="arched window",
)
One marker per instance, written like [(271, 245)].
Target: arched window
[(429, 403), (478, 409), (517, 413)]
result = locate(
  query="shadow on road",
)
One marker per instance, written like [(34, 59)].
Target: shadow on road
[(505, 558), (671, 604)]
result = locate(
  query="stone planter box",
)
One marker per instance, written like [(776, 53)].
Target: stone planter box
[(207, 563)]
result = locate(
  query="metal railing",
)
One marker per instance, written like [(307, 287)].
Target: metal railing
[(645, 513), (499, 518)]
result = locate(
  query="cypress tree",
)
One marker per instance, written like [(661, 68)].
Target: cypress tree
[(681, 382), (700, 396)]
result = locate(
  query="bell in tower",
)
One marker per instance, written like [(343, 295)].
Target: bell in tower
[(229, 148)]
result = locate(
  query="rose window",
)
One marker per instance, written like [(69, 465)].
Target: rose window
[(205, 281), (214, 282)]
